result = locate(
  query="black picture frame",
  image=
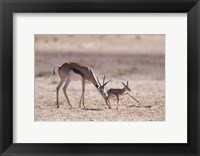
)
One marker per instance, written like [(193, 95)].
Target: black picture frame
[(8, 7)]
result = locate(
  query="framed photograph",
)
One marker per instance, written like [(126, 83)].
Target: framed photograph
[(99, 77)]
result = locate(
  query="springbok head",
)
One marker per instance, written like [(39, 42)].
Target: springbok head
[(126, 86), (102, 87)]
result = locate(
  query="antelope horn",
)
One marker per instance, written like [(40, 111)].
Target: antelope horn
[(106, 83), (98, 81), (104, 79)]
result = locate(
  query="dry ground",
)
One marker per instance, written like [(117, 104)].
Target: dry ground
[(137, 58)]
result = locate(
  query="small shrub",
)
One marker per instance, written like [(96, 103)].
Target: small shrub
[(133, 69), (124, 72), (54, 82), (44, 74)]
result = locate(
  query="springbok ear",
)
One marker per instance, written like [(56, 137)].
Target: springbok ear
[(106, 83), (127, 83), (123, 84)]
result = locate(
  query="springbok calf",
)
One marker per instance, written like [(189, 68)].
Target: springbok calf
[(72, 71), (119, 92)]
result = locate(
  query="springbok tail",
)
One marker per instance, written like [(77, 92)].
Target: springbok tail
[(56, 66)]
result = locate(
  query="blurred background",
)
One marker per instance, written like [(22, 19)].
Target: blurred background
[(141, 55)]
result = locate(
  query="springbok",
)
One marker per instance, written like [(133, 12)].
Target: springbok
[(102, 90), (72, 71), (119, 92)]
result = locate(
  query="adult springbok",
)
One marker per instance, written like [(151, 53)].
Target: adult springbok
[(102, 90), (72, 71)]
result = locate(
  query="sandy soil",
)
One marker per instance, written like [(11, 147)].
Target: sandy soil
[(137, 58)]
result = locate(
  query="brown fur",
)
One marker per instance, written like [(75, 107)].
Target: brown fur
[(84, 71), (117, 92)]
